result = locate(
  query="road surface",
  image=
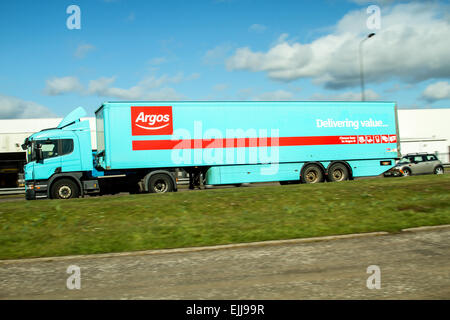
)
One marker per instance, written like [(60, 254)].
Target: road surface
[(413, 265)]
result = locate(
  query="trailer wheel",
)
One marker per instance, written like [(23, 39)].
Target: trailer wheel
[(312, 173), (338, 172), (65, 189), (160, 183)]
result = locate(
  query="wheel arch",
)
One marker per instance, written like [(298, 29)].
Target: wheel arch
[(317, 163), (407, 168), (345, 163), (306, 164), (74, 176), (151, 173)]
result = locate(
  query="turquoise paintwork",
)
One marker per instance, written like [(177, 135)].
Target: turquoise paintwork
[(74, 116), (80, 159), (197, 120), (220, 120)]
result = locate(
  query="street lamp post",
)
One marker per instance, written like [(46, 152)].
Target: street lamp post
[(361, 69)]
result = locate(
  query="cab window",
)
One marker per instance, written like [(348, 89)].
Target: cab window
[(431, 157), (56, 148), (50, 148), (66, 146)]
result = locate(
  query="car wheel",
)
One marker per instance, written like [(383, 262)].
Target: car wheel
[(406, 172), (65, 189), (439, 170)]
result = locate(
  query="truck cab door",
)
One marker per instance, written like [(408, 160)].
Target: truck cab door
[(70, 157), (44, 168)]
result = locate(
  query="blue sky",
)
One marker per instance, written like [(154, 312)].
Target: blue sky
[(219, 50)]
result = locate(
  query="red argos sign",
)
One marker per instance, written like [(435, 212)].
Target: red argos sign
[(147, 121)]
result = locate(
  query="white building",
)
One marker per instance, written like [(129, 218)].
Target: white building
[(421, 130), (425, 130), (12, 134), (14, 131)]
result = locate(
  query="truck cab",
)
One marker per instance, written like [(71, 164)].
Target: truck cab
[(57, 158)]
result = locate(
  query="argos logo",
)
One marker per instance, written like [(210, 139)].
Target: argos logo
[(146, 121)]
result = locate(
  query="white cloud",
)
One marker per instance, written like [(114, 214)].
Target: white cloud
[(58, 86), (83, 49), (258, 28), (158, 60), (164, 94), (144, 89), (217, 54), (279, 95), (398, 87), (411, 46), (256, 95), (347, 96), (15, 108), (437, 91)]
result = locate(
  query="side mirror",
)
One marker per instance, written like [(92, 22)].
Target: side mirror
[(39, 154)]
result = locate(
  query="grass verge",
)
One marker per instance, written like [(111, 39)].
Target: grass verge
[(221, 216)]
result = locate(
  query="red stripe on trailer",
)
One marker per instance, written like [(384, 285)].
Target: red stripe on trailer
[(243, 142)]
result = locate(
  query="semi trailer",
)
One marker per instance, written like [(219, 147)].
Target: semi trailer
[(141, 145)]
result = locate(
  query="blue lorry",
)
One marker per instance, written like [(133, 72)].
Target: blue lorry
[(142, 144)]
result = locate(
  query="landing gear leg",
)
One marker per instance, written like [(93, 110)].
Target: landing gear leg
[(196, 179)]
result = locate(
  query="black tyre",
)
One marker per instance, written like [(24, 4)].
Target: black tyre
[(406, 172), (312, 174), (65, 189), (338, 172), (439, 170), (160, 183)]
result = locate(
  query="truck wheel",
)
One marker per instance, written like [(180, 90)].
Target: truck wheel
[(65, 189), (337, 172), (160, 183), (312, 174), (439, 170)]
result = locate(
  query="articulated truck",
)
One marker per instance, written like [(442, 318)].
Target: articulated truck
[(142, 144)]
